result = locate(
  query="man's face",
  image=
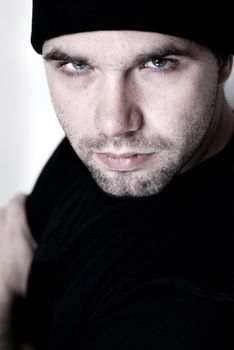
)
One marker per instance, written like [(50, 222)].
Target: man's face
[(134, 105)]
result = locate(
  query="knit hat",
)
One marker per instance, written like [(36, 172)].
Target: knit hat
[(53, 18)]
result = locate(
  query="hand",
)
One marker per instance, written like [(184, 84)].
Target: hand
[(16, 248)]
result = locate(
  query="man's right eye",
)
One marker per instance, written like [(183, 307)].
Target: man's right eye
[(74, 66)]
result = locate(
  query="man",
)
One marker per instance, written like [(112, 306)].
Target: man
[(133, 215)]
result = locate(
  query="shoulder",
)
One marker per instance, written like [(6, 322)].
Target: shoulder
[(58, 171)]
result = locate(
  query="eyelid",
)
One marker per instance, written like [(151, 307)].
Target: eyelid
[(169, 59), (65, 62), (157, 57), (61, 67)]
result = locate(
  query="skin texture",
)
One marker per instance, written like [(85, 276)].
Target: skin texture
[(138, 107)]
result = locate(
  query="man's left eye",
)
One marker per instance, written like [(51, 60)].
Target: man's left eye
[(159, 63)]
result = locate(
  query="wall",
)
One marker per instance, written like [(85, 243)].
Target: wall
[(29, 130)]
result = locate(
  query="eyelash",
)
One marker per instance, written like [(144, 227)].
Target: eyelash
[(61, 65), (168, 61)]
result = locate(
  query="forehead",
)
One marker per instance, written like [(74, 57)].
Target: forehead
[(108, 43)]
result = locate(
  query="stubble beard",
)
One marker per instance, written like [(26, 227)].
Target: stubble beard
[(132, 184), (170, 157)]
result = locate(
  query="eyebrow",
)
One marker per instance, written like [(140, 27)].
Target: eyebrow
[(170, 49), (190, 51), (60, 55)]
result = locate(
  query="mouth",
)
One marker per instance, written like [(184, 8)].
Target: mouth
[(124, 161)]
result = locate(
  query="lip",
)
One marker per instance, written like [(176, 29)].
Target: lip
[(124, 161)]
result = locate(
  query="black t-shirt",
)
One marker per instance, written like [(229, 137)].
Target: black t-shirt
[(132, 273)]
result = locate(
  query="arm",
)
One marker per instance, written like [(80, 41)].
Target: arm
[(16, 252)]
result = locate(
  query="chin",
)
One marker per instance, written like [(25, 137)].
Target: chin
[(130, 184)]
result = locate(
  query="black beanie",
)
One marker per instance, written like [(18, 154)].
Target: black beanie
[(52, 18)]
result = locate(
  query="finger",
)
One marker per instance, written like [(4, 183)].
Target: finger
[(16, 215), (2, 215)]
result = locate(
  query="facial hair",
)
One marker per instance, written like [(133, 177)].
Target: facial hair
[(170, 156)]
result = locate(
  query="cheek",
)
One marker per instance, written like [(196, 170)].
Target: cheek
[(72, 109), (174, 107)]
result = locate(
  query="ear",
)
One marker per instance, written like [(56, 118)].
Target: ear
[(225, 67)]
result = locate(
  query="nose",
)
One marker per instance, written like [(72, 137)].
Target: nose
[(117, 112)]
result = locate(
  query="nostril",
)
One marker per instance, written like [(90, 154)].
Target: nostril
[(118, 122)]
